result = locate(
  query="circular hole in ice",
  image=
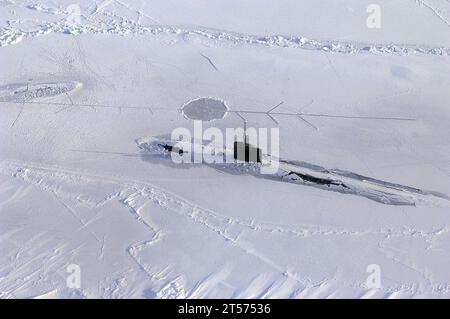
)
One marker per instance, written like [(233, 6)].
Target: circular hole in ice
[(204, 109)]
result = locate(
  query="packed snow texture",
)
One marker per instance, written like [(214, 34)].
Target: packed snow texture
[(364, 174)]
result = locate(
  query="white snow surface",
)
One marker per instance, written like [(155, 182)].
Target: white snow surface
[(78, 100)]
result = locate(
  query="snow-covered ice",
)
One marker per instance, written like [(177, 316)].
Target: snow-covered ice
[(89, 89)]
